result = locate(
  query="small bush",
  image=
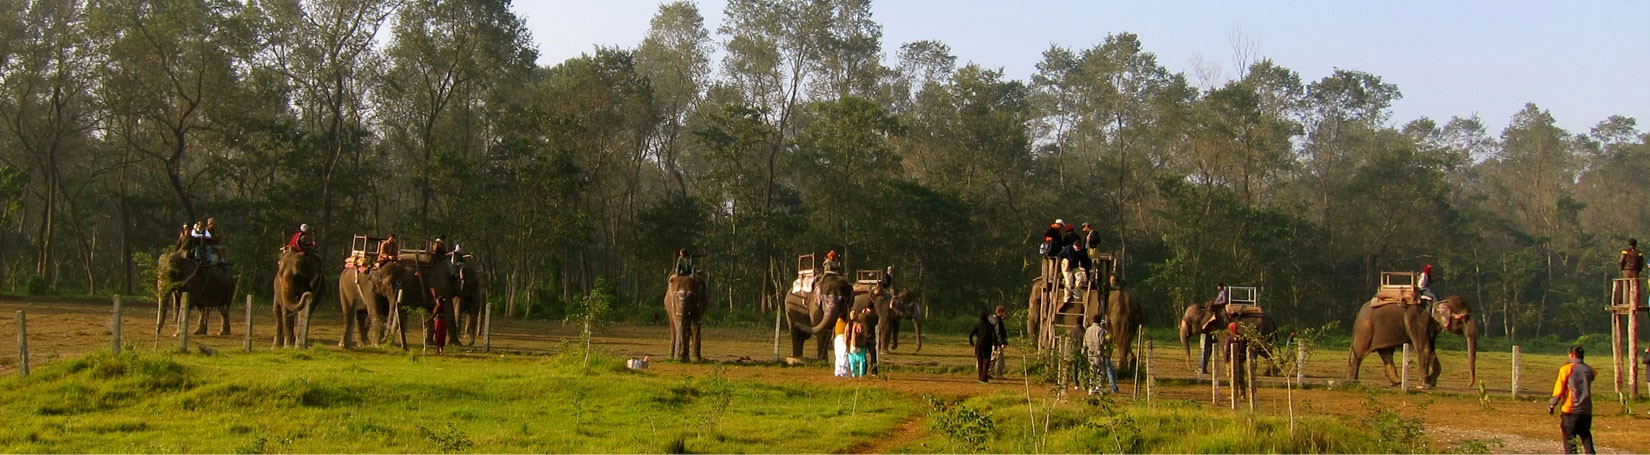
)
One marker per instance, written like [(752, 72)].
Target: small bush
[(450, 439), (966, 427)]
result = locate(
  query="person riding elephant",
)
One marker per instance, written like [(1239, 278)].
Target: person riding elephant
[(297, 283), (1383, 327), (685, 305), (1199, 320), (208, 286), (684, 263), (301, 241), (831, 265), (816, 312), (388, 251)]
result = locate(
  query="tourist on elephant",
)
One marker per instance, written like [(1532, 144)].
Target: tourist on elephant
[(1091, 240), (1074, 263), (1234, 352), (1632, 261), (387, 250), (1097, 345), (831, 265), (184, 241), (684, 263), (1052, 237), (983, 338), (887, 282), (214, 240), (999, 362), (1423, 284), (1573, 398), (300, 241), (438, 249), (201, 239), (1070, 236)]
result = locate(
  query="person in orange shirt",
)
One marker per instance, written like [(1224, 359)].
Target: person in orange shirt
[(1573, 398)]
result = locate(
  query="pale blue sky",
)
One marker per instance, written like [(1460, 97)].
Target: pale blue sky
[(1582, 61)]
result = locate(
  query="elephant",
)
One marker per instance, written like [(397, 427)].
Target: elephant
[(297, 281), (902, 305), (386, 289), (1122, 314), (685, 304), (470, 299), (209, 287), (1124, 318), (816, 312), (1383, 328), (1198, 321)]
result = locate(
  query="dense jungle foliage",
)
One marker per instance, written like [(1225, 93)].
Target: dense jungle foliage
[(788, 128)]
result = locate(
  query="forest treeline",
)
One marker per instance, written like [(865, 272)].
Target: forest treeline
[(785, 127)]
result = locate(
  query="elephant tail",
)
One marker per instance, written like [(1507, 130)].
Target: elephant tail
[(1185, 341)]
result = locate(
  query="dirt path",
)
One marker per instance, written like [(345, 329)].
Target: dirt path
[(908, 431)]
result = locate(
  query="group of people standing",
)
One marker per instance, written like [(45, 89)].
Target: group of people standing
[(1073, 253)]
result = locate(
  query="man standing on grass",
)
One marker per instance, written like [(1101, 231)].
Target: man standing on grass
[(983, 338), (1573, 398), (999, 324)]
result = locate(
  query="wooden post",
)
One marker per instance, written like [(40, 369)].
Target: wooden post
[(486, 327), (1148, 374), (779, 311), (1214, 377), (1231, 372), (183, 324), (1202, 350), (1632, 345), (1515, 372), (1300, 362), (114, 326), (1405, 378), (1249, 375), (1616, 343), (23, 343), (1139, 341)]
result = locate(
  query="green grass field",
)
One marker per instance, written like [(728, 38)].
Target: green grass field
[(373, 401)]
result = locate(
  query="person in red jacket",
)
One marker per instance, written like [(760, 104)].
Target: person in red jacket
[(300, 241)]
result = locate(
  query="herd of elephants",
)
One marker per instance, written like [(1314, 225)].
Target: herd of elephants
[(373, 298)]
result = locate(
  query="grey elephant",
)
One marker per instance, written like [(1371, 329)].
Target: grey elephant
[(298, 281), (816, 312), (1383, 327), (208, 286), (1197, 320), (685, 304)]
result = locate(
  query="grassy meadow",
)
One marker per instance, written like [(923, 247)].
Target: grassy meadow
[(376, 401)]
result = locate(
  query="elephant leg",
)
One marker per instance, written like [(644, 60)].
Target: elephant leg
[(200, 325), (400, 325), (223, 312), (1434, 369), (698, 343), (798, 339), (825, 345), (892, 341), (280, 325), (1388, 367)]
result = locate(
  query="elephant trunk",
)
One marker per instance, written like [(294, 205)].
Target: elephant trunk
[(1471, 332), (916, 323), (1185, 340), (829, 304)]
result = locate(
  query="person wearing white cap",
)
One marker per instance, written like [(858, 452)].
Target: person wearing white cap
[(300, 241)]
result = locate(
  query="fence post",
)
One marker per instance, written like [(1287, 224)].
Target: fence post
[(1214, 378), (1202, 351), (1231, 371), (1405, 378), (778, 311), (486, 327), (248, 342), (23, 343), (1249, 375), (1515, 372), (1148, 374), (1300, 362), (1139, 342), (183, 324), (114, 327)]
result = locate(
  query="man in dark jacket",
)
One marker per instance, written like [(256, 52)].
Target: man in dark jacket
[(1052, 237), (998, 361), (983, 338), (1573, 398)]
